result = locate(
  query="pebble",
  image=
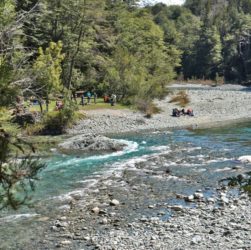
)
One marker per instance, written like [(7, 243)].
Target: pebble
[(104, 221), (212, 200), (196, 240), (177, 208), (96, 210), (114, 202), (65, 242), (189, 198), (225, 200), (198, 195), (61, 224)]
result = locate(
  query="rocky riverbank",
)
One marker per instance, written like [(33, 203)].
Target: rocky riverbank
[(141, 205), (219, 222), (146, 202), (213, 106)]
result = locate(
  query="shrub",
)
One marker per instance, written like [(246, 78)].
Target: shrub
[(181, 99), (56, 122), (148, 107)]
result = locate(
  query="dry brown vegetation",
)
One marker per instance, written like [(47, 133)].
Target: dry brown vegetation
[(181, 99), (148, 107)]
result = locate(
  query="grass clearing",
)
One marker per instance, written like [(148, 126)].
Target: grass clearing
[(15, 129), (92, 106)]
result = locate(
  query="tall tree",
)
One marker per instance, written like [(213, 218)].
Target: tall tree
[(47, 68), (141, 65), (181, 29)]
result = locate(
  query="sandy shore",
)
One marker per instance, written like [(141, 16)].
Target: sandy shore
[(213, 106)]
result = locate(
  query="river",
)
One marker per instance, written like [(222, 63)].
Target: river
[(201, 157)]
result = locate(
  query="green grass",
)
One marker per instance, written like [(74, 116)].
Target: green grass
[(92, 106), (101, 105), (36, 107)]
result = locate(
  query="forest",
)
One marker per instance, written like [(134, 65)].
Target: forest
[(58, 47), (116, 46)]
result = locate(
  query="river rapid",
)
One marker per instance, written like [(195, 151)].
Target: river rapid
[(167, 162)]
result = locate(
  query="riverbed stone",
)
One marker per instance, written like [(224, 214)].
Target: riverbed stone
[(114, 202), (104, 221), (96, 210), (196, 240), (225, 200), (65, 242), (211, 200), (198, 195), (91, 143), (177, 207), (189, 198)]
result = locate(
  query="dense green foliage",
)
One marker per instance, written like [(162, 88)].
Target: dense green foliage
[(117, 47), (106, 46), (214, 37), (48, 69)]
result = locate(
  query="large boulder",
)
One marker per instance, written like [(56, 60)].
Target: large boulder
[(91, 143)]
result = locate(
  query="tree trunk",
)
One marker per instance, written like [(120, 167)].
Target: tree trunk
[(47, 103), (41, 106), (74, 57), (74, 96)]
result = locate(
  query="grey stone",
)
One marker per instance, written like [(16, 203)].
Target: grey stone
[(225, 200), (177, 208), (198, 195), (212, 200), (104, 221), (189, 198), (91, 143), (65, 242), (95, 210), (114, 202), (196, 240)]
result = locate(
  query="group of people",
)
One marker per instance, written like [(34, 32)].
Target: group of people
[(177, 112), (86, 99), (88, 96), (110, 99)]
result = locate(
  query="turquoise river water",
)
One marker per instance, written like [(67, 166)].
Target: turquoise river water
[(205, 155)]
